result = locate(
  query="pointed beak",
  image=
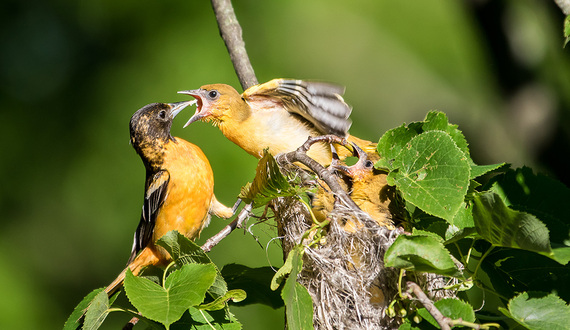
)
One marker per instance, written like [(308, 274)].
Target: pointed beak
[(198, 101), (179, 106)]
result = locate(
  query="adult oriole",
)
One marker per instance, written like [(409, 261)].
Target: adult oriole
[(179, 189), (280, 115)]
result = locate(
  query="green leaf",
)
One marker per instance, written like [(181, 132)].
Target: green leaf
[(567, 30), (184, 251), (269, 183), (478, 170), (542, 197), (255, 282), (433, 174), (284, 270), (97, 312), (198, 319), (511, 271), (452, 308), (537, 311), (394, 141), (183, 288), (421, 254), (502, 226), (72, 321), (236, 295), (464, 217), (437, 121), (298, 302)]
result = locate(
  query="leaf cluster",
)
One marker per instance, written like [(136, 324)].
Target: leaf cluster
[(509, 236), (191, 294)]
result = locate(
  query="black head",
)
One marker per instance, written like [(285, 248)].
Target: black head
[(153, 122)]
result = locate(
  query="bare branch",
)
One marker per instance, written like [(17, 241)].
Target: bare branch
[(428, 304), (237, 223), (231, 32)]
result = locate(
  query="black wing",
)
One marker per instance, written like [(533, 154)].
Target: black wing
[(156, 191)]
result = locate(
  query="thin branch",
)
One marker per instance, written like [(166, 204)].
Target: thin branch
[(231, 32), (237, 223), (443, 321)]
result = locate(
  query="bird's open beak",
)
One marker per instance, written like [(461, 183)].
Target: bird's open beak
[(198, 114), (179, 106), (360, 165)]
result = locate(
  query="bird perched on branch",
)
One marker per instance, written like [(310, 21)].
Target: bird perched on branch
[(179, 189), (280, 115)]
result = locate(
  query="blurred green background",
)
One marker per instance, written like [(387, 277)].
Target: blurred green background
[(73, 72)]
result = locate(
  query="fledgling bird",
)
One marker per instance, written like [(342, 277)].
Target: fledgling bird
[(369, 189), (179, 189), (280, 115)]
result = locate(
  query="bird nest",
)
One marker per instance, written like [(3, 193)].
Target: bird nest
[(345, 273)]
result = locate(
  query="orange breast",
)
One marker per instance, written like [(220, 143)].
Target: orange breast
[(190, 191)]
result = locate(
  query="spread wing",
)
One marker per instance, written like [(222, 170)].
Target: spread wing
[(156, 191), (318, 102)]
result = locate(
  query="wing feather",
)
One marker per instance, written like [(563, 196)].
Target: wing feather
[(318, 102), (156, 192)]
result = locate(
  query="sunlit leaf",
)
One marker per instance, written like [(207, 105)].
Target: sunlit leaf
[(72, 321), (538, 311), (298, 302), (422, 254), (185, 251), (269, 183), (433, 174), (97, 312), (183, 288)]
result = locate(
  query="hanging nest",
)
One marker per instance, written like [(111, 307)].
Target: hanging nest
[(345, 273)]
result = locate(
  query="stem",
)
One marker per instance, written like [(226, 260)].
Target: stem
[(443, 321), (237, 223), (481, 260), (231, 33)]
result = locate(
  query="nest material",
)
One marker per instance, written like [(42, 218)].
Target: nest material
[(345, 275)]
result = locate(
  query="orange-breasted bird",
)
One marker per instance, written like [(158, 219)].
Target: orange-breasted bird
[(280, 115), (179, 189), (369, 189)]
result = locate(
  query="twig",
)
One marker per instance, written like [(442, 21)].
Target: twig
[(237, 223), (443, 321), (300, 155), (231, 32)]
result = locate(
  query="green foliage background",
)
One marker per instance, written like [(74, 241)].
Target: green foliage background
[(72, 73)]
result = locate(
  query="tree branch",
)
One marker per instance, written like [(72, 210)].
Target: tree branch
[(443, 321), (231, 32), (237, 223)]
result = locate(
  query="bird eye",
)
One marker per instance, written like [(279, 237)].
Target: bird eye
[(162, 114), (213, 94), (368, 164)]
